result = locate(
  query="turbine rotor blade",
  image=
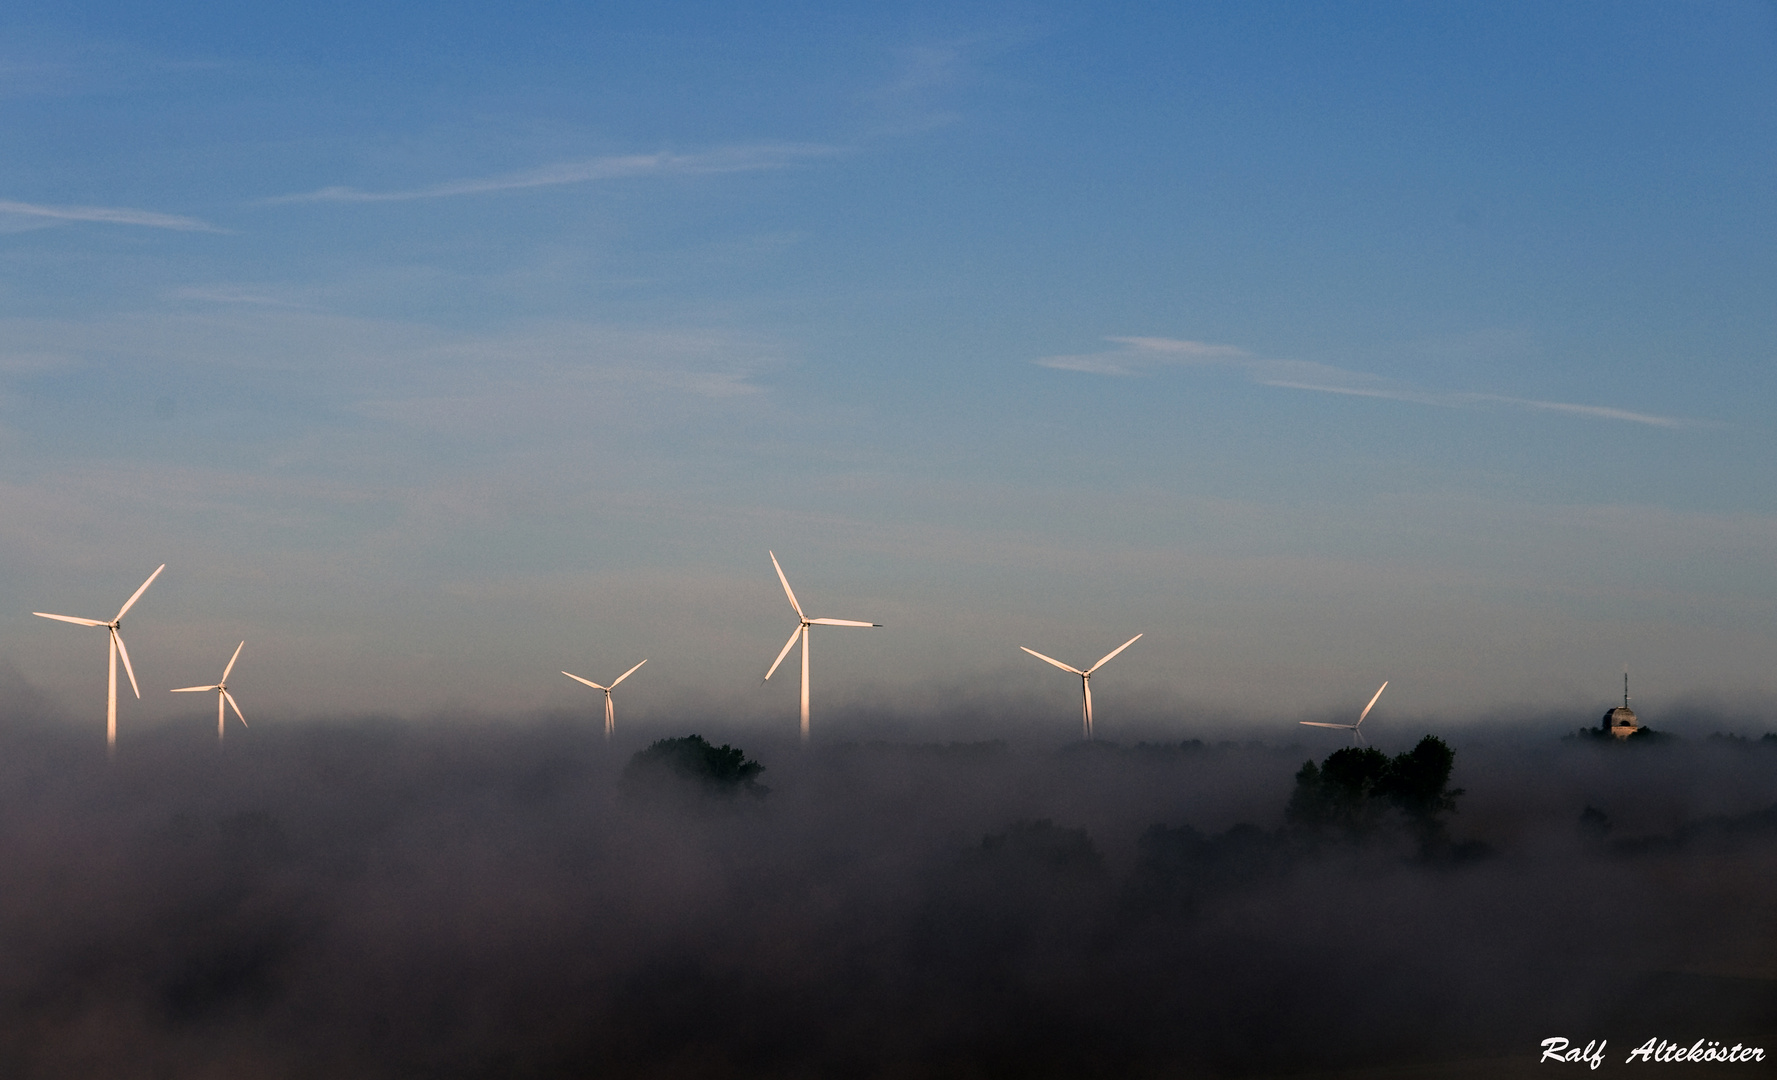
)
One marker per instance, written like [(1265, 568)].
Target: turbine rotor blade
[(788, 645), (1114, 652), (578, 679), (1372, 704), (131, 602), (231, 660), (70, 618), (842, 622), (625, 675), (236, 708), (1316, 723), (787, 592), (1052, 660), (192, 689), (125, 653)]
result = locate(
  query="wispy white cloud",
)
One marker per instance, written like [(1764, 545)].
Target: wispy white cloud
[(1602, 412), (1141, 355), (614, 167), (231, 294), (115, 215)]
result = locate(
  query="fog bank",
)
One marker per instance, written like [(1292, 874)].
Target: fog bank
[(377, 898)]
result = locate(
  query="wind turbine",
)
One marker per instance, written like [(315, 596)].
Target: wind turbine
[(1357, 737), (117, 646), (610, 714), (1085, 676), (801, 631), (221, 689)]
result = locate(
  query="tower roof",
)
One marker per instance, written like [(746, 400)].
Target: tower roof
[(1620, 722)]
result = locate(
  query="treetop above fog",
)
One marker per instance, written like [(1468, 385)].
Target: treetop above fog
[(1355, 788), (692, 760)]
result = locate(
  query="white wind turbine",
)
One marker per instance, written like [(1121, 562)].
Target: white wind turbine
[(610, 713), (117, 647), (801, 631), (1357, 737), (221, 689), (1085, 676)]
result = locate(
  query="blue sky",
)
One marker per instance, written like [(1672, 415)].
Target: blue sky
[(437, 348)]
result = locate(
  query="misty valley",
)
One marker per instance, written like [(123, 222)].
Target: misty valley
[(454, 898)]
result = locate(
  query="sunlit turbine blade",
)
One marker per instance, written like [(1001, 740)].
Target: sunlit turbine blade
[(79, 622), (1052, 660), (1316, 723), (231, 660), (788, 645), (787, 592), (235, 707), (578, 679), (625, 675), (131, 602), (125, 653), (1113, 652), (842, 622), (1371, 705), (193, 689)]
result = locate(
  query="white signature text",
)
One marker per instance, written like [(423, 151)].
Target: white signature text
[(1556, 1049), (1701, 1050)]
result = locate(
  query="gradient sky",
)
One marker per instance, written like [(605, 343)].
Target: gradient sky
[(437, 348)]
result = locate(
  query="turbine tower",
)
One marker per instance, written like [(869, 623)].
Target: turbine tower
[(222, 693), (1085, 676), (610, 713), (801, 631), (1357, 737), (117, 647)]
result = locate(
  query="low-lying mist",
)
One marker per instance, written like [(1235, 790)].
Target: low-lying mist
[(379, 898)]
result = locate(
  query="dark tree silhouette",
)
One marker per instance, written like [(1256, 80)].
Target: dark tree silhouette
[(1352, 791), (675, 764), (1340, 793), (1418, 782)]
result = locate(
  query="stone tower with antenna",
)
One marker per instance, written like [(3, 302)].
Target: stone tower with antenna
[(1621, 721)]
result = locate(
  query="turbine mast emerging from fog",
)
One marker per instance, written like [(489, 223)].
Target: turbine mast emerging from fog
[(1357, 737), (1085, 676), (222, 693), (801, 631), (610, 713), (117, 647)]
